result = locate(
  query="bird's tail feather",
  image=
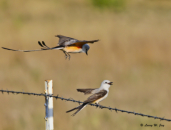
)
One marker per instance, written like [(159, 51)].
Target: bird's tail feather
[(43, 45), (79, 109), (23, 50), (73, 109)]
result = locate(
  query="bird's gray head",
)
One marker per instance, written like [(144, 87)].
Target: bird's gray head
[(106, 84), (85, 48)]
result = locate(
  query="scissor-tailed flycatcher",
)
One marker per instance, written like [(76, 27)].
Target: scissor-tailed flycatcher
[(66, 44), (98, 95)]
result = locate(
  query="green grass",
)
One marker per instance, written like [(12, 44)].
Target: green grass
[(116, 5)]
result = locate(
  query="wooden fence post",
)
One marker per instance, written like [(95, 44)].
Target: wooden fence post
[(48, 105)]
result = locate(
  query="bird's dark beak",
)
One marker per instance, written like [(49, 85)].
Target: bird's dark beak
[(111, 83), (86, 52)]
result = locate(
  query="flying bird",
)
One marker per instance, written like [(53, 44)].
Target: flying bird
[(66, 44), (98, 95)]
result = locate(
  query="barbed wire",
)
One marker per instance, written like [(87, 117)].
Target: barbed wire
[(72, 100)]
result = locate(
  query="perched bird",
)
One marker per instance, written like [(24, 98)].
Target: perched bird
[(66, 44), (98, 95)]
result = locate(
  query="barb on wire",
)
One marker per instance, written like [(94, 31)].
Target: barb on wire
[(72, 100)]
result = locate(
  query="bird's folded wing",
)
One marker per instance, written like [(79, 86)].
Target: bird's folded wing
[(96, 96)]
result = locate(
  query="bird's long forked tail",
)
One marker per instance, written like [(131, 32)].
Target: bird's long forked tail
[(24, 50), (79, 109), (43, 45)]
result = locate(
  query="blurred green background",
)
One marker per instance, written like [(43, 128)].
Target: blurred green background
[(134, 52)]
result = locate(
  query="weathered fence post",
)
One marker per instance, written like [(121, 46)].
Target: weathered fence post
[(48, 105)]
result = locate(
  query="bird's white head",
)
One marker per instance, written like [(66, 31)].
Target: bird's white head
[(85, 48), (106, 84)]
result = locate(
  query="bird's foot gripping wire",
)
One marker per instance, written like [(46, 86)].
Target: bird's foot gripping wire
[(97, 105)]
